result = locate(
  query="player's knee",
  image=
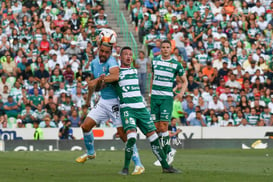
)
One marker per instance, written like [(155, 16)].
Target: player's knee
[(163, 126), (121, 134), (131, 138), (88, 124), (85, 128), (150, 134)]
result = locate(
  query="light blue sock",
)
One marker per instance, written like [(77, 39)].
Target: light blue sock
[(89, 142), (135, 157)]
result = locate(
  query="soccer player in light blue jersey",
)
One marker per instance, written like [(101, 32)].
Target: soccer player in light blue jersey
[(105, 70)]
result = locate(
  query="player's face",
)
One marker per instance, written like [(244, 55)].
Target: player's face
[(165, 50), (126, 57), (104, 53)]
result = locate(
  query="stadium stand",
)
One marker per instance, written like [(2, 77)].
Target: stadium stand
[(225, 47)]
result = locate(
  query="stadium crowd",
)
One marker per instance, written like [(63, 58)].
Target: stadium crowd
[(46, 48), (225, 46)]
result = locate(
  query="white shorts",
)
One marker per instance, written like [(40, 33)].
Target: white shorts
[(105, 110)]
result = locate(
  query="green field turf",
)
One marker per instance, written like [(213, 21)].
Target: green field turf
[(197, 165)]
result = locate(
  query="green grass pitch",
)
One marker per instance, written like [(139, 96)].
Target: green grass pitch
[(196, 165)]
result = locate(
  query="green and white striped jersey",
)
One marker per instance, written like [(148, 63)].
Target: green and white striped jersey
[(252, 119), (165, 72), (128, 89)]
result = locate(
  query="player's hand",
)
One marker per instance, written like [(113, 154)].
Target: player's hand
[(179, 130), (102, 77), (88, 103), (93, 83)]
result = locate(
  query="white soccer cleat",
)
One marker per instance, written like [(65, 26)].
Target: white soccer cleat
[(244, 146), (157, 163), (261, 146), (170, 156), (138, 170)]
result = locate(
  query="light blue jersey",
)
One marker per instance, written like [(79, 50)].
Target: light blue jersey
[(98, 68)]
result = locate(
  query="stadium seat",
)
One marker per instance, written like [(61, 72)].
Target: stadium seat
[(29, 125), (11, 122)]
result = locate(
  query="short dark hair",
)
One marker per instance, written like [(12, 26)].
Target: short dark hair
[(166, 41), (106, 44), (125, 48)]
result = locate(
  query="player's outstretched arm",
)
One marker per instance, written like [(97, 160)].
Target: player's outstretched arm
[(184, 82), (113, 75)]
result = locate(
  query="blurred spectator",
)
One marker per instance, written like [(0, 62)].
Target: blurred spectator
[(66, 131), (197, 120), (53, 109), (27, 115), (253, 118), (36, 99), (55, 79), (68, 74), (8, 65), (39, 113), (3, 119), (38, 134), (173, 131), (142, 65), (214, 121), (73, 49), (56, 120), (217, 105), (41, 73), (11, 108), (5, 94), (192, 84), (45, 44), (67, 104), (77, 98), (47, 122), (226, 121), (178, 113), (20, 123), (75, 119)]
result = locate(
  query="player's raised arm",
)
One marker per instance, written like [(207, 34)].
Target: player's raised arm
[(113, 75)]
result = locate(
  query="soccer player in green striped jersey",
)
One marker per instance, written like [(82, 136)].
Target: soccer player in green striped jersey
[(165, 69), (134, 113)]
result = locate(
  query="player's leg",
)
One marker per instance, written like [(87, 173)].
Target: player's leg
[(165, 117), (145, 124), (121, 133), (129, 126), (155, 114), (88, 136), (131, 141), (93, 118), (139, 168), (165, 136), (159, 153)]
